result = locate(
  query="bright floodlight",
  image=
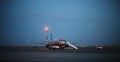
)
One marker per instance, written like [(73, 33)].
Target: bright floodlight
[(46, 28)]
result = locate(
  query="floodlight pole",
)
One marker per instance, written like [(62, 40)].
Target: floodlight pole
[(47, 36), (46, 31)]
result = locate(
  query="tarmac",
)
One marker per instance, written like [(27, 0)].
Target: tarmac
[(41, 54)]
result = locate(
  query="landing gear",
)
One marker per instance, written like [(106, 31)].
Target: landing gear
[(48, 46)]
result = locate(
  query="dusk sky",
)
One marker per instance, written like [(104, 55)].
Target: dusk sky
[(83, 22)]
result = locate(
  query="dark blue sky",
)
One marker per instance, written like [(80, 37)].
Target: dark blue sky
[(87, 22)]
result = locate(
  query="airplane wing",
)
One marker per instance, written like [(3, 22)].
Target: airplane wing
[(71, 45)]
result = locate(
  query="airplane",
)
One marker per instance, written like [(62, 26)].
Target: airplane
[(57, 44), (60, 44)]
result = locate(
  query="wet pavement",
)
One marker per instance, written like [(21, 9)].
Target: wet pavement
[(66, 55)]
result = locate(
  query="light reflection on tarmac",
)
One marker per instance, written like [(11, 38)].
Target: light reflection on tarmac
[(57, 56)]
